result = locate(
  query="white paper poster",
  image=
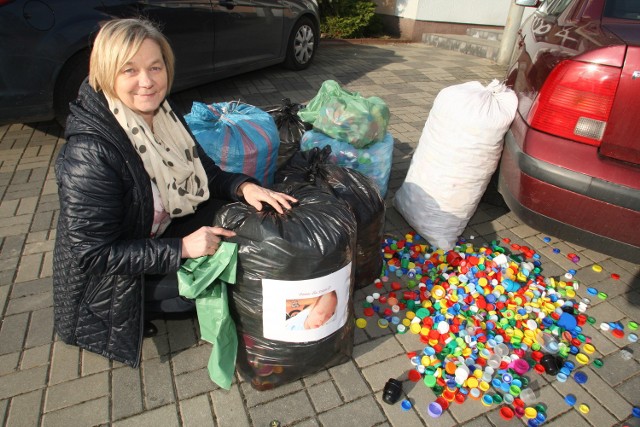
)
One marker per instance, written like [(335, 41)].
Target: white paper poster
[(305, 310)]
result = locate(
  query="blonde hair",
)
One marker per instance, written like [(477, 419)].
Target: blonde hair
[(116, 43)]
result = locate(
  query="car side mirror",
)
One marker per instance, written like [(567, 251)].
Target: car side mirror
[(528, 3)]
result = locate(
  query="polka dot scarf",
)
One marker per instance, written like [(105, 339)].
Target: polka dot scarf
[(169, 156)]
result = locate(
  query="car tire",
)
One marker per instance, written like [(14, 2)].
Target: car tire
[(302, 45), (69, 80)]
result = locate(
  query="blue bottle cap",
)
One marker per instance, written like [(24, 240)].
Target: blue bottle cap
[(580, 377), (592, 291), (635, 412), (570, 399), (405, 405)]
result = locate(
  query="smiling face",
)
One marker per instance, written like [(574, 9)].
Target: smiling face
[(141, 84), (321, 311)]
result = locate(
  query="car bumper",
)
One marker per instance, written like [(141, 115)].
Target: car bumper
[(592, 212)]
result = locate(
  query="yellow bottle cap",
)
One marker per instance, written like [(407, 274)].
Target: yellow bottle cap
[(530, 412), (582, 358)]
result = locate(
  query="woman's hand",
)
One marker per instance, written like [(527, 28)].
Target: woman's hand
[(254, 195), (204, 241)]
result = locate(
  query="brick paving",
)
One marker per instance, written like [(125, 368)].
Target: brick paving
[(44, 382)]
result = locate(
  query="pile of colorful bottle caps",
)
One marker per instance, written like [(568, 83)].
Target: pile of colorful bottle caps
[(486, 317)]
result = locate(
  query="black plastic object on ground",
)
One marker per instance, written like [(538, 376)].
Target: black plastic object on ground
[(392, 391), (293, 268), (358, 191), (290, 126)]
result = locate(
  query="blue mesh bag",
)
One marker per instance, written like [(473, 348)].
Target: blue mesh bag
[(238, 137), (373, 161)]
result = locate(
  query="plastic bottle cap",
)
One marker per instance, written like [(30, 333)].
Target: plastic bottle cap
[(632, 337), (597, 268), (588, 348), (530, 412), (580, 377), (361, 323), (632, 325), (584, 408), (405, 405), (429, 380), (636, 412), (415, 328), (618, 333), (582, 358), (487, 400), (434, 409), (570, 399), (414, 375)]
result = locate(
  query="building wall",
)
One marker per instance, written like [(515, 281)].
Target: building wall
[(409, 19)]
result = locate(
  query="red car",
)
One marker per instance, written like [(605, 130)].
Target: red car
[(571, 160)]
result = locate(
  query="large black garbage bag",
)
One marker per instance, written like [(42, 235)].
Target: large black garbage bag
[(292, 302), (358, 191), (290, 126)]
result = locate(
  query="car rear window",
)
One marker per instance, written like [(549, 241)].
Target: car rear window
[(623, 9)]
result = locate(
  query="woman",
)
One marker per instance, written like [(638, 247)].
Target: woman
[(137, 194)]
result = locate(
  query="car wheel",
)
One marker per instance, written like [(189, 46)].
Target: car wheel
[(302, 45), (69, 80)]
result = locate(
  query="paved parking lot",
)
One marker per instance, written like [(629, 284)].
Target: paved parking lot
[(45, 382)]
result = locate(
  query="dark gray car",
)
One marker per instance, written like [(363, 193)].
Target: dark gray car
[(45, 44)]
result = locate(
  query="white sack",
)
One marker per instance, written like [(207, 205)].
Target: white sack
[(458, 152)]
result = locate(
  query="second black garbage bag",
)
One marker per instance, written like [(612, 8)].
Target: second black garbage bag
[(360, 194), (292, 302)]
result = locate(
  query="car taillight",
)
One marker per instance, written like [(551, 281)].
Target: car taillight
[(575, 101)]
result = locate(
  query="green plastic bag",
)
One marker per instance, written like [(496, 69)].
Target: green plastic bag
[(347, 116), (205, 279)]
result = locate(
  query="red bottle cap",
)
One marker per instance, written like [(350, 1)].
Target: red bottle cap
[(415, 376)]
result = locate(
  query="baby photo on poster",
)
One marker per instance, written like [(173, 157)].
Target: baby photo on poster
[(305, 310)]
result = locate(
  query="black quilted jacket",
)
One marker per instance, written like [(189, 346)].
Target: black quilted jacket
[(103, 248)]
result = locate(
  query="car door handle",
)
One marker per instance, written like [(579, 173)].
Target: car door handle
[(228, 4)]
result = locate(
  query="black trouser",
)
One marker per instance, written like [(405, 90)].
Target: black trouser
[(161, 290)]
